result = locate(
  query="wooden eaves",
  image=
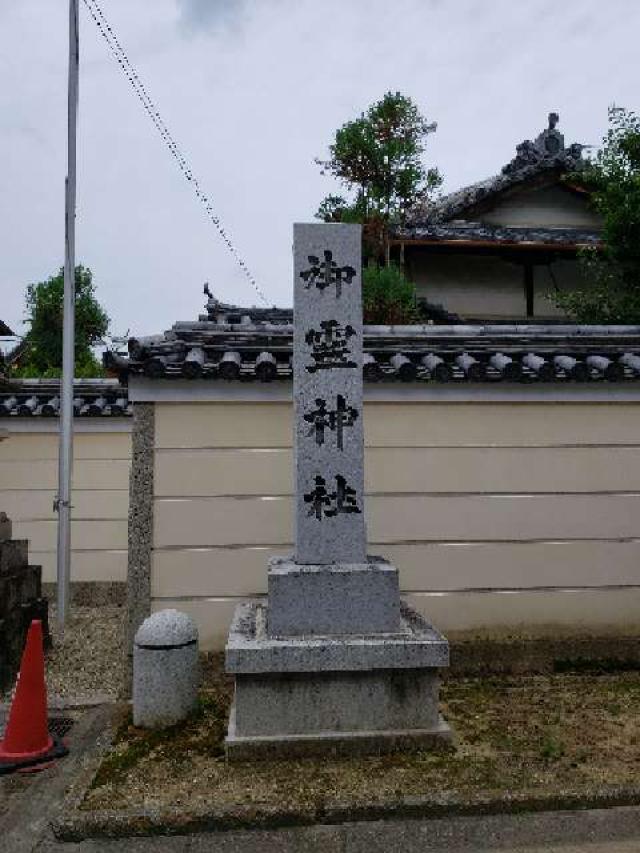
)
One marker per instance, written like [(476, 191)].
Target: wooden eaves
[(482, 244)]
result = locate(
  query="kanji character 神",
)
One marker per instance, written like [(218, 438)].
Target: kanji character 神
[(322, 419)]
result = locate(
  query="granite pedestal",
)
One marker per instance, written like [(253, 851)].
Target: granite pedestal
[(348, 693), (344, 598)]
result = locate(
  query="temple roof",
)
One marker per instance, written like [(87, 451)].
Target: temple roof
[(455, 216), (29, 398), (255, 348)]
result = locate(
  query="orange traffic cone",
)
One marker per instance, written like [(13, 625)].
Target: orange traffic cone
[(27, 742)]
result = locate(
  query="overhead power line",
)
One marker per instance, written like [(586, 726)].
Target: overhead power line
[(120, 55)]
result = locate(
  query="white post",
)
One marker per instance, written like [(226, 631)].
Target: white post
[(65, 456)]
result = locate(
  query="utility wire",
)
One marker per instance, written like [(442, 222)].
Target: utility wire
[(116, 49)]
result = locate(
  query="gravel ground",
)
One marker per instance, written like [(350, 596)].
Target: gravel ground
[(87, 663), (526, 735)]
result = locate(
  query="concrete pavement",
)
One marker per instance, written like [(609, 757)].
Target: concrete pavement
[(597, 831)]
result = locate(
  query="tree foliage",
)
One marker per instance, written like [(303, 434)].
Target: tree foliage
[(612, 293), (388, 298), (44, 308), (378, 158)]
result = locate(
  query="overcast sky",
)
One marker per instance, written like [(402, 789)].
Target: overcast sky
[(252, 91)]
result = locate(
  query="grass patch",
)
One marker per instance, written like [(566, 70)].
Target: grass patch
[(523, 735), (552, 747)]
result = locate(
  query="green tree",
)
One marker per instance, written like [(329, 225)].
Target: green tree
[(44, 308), (612, 292), (378, 158), (388, 298)]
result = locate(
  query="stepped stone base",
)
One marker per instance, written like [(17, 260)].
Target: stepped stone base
[(345, 598), (20, 601), (438, 737), (350, 693)]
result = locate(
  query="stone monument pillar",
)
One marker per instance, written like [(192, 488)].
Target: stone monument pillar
[(334, 660), (327, 396)]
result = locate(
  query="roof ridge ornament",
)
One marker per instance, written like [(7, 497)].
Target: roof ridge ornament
[(548, 149), (548, 152), (212, 302), (551, 142)]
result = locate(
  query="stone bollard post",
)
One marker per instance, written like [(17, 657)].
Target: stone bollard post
[(166, 671)]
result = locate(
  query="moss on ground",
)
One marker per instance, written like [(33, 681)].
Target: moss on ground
[(202, 733), (526, 735)]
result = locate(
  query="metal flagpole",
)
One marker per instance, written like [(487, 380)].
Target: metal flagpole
[(65, 455)]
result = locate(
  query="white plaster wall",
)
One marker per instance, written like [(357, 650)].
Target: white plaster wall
[(551, 207), (485, 286), (470, 285), (100, 498), (498, 514)]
